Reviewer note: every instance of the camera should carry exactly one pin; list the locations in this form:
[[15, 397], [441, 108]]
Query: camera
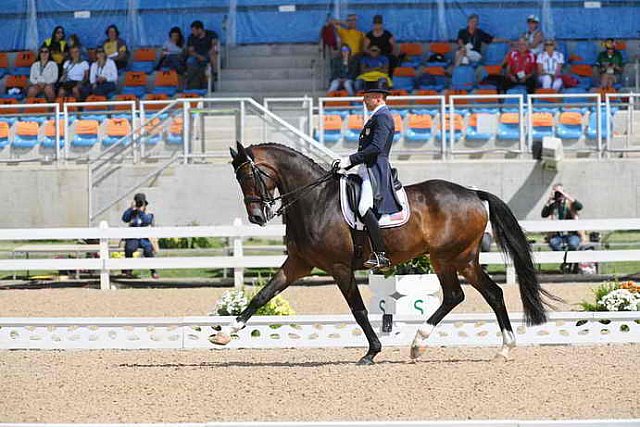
[[557, 195]]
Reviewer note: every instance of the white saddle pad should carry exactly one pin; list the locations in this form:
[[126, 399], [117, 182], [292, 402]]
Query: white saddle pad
[[386, 221]]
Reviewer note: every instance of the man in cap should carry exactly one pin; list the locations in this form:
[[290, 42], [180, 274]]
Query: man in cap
[[349, 33], [534, 35], [137, 216], [378, 196]]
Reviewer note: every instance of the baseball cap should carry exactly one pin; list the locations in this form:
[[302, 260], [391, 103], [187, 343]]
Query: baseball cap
[[377, 19], [533, 18]]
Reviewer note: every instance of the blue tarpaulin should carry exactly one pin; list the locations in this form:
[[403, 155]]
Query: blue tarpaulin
[[147, 22]]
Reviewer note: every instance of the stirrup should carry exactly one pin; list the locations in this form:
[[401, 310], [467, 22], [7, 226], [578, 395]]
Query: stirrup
[[378, 261]]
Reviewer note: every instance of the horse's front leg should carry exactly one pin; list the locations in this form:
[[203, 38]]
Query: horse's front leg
[[347, 284], [292, 269]]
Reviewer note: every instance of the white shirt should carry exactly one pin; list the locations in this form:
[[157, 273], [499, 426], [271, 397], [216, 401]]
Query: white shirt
[[109, 71], [75, 70], [45, 75], [550, 62]]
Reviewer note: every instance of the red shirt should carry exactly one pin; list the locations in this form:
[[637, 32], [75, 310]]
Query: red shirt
[[519, 61]]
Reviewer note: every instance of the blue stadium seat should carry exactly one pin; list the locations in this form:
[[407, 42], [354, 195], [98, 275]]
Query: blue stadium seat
[[355, 123], [605, 125], [49, 139], [86, 133], [541, 125], [463, 78], [570, 125], [144, 66], [27, 134], [174, 136], [509, 126], [495, 53], [419, 128]]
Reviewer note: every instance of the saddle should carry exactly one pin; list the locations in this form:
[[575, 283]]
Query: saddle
[[350, 192]]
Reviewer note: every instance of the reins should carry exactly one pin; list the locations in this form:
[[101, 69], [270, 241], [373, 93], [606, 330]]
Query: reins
[[289, 198]]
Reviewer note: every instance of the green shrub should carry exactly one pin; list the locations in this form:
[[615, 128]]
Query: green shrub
[[418, 265], [598, 293]]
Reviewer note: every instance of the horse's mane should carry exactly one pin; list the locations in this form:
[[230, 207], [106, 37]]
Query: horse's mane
[[292, 152]]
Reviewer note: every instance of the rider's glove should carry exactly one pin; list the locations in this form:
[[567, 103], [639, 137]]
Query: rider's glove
[[343, 163]]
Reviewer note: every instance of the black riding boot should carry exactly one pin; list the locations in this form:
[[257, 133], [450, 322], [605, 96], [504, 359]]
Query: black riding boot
[[378, 259]]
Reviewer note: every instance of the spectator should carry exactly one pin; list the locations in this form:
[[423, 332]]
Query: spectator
[[470, 41], [521, 65], [561, 205], [374, 70], [43, 76], [534, 35], [172, 53], [74, 40], [201, 47], [609, 64], [349, 33], [103, 74], [343, 70], [75, 74], [57, 46], [384, 40], [115, 47], [329, 35], [550, 66], [137, 216]]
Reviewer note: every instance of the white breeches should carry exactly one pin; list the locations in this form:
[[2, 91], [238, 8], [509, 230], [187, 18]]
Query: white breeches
[[366, 196], [549, 82]]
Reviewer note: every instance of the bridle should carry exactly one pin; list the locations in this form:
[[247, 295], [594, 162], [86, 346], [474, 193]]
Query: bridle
[[266, 200]]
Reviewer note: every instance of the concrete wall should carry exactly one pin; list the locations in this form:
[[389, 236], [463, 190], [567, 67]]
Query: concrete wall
[[208, 194]]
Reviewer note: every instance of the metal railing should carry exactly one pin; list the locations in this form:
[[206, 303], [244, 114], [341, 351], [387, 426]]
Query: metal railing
[[630, 128]]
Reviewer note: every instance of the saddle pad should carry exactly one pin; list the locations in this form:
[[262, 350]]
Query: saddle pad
[[386, 221]]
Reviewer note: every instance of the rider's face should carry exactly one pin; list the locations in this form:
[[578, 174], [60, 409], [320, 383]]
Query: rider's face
[[372, 100]]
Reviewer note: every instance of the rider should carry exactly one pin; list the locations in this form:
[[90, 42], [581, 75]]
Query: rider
[[378, 195]]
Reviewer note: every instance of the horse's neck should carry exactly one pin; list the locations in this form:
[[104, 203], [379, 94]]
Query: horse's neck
[[293, 175]]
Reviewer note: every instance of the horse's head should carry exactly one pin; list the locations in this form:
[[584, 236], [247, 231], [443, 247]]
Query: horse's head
[[257, 185]]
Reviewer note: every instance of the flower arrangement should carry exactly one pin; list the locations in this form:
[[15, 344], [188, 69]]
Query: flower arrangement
[[615, 296], [233, 302], [417, 265]]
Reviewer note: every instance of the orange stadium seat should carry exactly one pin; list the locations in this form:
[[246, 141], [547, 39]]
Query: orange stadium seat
[[115, 129], [135, 83], [4, 64], [23, 63], [26, 134], [156, 97], [332, 128], [419, 128], [441, 48], [20, 82], [582, 70], [175, 131], [355, 123], [411, 49], [124, 97], [86, 133], [8, 101], [493, 70], [425, 92], [49, 139], [166, 82], [65, 100]]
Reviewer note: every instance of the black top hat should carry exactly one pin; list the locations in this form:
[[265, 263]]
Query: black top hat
[[382, 88]]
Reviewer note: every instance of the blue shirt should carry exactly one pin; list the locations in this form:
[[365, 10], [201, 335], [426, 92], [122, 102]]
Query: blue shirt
[[137, 218], [371, 62]]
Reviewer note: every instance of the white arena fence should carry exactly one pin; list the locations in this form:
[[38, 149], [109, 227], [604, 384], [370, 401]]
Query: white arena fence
[[482, 423], [238, 261], [310, 331]]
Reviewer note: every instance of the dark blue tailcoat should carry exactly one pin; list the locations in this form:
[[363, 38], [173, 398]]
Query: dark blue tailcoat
[[374, 145]]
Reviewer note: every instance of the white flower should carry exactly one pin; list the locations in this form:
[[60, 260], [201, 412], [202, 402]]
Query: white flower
[[231, 303], [620, 300]]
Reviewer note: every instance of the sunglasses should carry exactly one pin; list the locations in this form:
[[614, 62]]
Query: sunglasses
[[100, 51], [44, 51], [549, 44]]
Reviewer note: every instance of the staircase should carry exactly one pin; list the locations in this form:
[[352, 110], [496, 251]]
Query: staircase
[[279, 70]]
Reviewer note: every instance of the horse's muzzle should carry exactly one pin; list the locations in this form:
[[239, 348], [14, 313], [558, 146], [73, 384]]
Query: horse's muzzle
[[256, 216]]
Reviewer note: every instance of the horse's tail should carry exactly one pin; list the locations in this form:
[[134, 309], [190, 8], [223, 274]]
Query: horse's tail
[[512, 241]]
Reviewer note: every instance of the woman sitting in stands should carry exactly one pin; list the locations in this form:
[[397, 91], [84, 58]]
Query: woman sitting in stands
[[75, 74], [44, 74], [57, 46], [172, 55], [103, 75], [115, 47]]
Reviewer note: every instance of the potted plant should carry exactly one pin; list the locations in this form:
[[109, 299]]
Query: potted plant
[[408, 288]]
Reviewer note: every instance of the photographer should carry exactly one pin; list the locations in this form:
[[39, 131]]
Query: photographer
[[561, 205], [137, 216]]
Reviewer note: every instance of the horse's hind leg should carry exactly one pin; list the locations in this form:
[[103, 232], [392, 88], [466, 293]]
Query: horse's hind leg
[[452, 295], [291, 270], [492, 293], [349, 288]]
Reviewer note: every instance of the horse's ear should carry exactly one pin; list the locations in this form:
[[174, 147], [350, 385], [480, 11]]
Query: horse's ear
[[233, 152], [241, 149]]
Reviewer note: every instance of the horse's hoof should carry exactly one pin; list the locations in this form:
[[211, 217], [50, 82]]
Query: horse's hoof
[[366, 361], [417, 351], [220, 339]]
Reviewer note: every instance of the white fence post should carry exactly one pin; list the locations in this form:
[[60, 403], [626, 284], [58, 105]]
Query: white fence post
[[238, 272], [104, 258]]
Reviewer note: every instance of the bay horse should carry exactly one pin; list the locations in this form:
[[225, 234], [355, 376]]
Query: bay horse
[[447, 222]]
